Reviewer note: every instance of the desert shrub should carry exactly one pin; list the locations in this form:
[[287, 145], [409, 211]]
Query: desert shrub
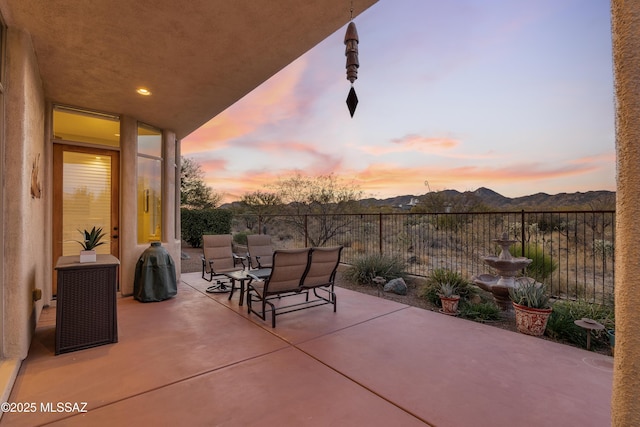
[[451, 222], [542, 265], [440, 276], [568, 289], [365, 268], [241, 237], [561, 327], [603, 248], [196, 222], [481, 312]]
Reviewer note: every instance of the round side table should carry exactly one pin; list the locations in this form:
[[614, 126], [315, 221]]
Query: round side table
[[589, 325]]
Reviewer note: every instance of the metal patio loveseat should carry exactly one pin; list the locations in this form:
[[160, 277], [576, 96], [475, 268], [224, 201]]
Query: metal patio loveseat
[[295, 272]]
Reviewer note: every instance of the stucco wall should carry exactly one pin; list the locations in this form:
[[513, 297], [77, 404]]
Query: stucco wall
[[27, 258], [130, 250], [625, 407]]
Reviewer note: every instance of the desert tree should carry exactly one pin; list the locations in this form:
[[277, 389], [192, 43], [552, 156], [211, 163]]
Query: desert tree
[[322, 201], [451, 206], [258, 204], [194, 193], [443, 201], [603, 215]]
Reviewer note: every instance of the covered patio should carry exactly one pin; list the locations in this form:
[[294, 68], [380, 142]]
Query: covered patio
[[199, 359]]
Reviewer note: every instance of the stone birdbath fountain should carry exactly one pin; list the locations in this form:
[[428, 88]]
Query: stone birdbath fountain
[[507, 267]]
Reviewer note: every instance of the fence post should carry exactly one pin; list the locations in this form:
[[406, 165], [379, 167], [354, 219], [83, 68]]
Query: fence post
[[522, 231], [306, 231], [380, 232]]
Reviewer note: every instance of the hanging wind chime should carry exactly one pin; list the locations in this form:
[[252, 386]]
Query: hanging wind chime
[[351, 52]]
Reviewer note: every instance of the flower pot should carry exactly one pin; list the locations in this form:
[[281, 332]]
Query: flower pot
[[87, 256], [450, 304], [531, 321]]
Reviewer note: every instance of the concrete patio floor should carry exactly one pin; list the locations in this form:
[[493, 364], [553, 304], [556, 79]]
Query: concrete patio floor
[[200, 360]]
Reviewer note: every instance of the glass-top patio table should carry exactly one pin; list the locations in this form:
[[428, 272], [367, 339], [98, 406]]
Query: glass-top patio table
[[243, 276]]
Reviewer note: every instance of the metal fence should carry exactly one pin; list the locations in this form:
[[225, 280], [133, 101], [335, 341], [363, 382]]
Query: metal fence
[[572, 250]]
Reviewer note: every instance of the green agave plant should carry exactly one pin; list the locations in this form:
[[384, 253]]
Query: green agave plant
[[91, 238], [448, 290], [530, 294]]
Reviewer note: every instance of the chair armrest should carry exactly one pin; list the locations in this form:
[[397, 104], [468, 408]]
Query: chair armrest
[[240, 259], [258, 261]]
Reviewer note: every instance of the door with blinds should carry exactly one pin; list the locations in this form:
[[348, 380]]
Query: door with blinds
[[85, 195]]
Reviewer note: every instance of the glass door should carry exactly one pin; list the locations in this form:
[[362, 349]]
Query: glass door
[[85, 195]]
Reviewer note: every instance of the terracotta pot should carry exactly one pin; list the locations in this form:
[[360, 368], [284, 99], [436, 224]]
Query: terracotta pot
[[531, 321], [450, 304]]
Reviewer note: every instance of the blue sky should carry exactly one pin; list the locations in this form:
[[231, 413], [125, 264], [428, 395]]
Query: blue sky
[[513, 95]]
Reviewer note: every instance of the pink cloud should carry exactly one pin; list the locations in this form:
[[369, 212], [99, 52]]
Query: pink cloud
[[601, 158], [414, 140], [415, 143], [213, 165], [381, 178], [398, 180], [389, 179], [270, 103], [304, 155]]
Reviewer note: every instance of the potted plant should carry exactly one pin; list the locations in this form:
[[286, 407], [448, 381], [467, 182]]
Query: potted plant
[[611, 333], [531, 305], [92, 239], [449, 298]]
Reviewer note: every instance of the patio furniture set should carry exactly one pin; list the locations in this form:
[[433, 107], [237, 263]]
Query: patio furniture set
[[271, 276]]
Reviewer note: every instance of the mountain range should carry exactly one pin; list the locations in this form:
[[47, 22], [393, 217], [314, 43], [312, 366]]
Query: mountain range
[[592, 200]]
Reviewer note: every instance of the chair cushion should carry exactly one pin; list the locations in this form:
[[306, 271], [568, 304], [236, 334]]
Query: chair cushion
[[259, 245], [288, 270], [217, 248], [322, 267]]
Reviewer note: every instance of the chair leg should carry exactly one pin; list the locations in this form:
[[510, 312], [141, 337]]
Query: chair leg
[[204, 272], [273, 312], [219, 288]]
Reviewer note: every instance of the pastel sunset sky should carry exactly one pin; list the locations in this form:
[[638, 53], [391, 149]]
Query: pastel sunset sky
[[513, 95]]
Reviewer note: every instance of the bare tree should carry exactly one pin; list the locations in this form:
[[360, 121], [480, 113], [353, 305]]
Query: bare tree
[[323, 199]]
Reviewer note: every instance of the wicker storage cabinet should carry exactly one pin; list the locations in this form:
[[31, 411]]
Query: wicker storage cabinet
[[86, 314]]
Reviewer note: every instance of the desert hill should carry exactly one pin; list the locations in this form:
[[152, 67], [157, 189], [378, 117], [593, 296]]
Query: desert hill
[[592, 200]]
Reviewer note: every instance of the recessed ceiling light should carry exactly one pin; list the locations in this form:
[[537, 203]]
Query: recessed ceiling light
[[143, 91]]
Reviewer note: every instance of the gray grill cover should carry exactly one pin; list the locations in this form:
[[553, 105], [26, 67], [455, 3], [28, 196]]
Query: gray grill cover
[[155, 277]]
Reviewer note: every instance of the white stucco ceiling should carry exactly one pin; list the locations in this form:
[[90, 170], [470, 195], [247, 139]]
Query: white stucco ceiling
[[197, 56]]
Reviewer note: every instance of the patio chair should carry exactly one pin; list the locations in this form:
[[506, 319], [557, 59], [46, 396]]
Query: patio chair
[[287, 272], [321, 274], [217, 259], [260, 250]]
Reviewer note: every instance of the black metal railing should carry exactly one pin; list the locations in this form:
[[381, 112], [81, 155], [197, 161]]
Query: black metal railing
[[572, 250]]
